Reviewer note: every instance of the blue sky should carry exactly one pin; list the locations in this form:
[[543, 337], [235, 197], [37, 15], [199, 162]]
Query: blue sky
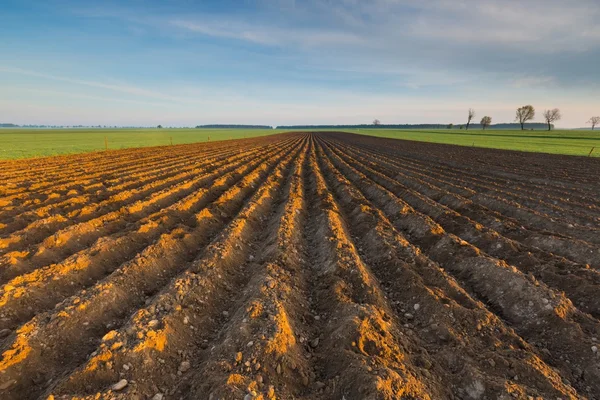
[[184, 62]]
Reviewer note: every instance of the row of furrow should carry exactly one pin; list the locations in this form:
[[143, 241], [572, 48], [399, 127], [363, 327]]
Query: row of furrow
[[42, 164], [13, 169], [562, 207], [115, 201], [361, 353], [522, 207], [43, 179], [103, 199], [57, 341], [582, 283], [521, 226], [535, 311], [566, 172], [96, 186], [76, 237], [104, 167], [521, 188], [457, 341], [105, 160], [525, 193], [113, 170], [74, 206], [257, 350], [180, 328], [27, 294], [106, 217], [103, 192], [101, 161], [93, 180], [521, 230], [273, 348]]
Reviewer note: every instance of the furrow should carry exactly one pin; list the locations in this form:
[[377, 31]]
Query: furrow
[[114, 199], [566, 171], [535, 311], [521, 231], [117, 178], [80, 235], [55, 342], [101, 163], [529, 216], [178, 324], [78, 175], [67, 195], [34, 292], [260, 335], [582, 283], [361, 351], [56, 165], [542, 198], [464, 346]]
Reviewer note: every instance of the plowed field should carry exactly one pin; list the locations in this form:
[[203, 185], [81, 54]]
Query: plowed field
[[300, 266]]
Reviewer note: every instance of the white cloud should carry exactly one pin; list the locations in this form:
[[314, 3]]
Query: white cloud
[[532, 25], [268, 35]]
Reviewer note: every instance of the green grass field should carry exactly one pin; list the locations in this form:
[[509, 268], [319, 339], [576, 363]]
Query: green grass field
[[25, 143], [577, 143]]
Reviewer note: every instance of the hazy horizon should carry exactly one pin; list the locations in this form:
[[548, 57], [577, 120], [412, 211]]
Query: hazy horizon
[[284, 62], [476, 125]]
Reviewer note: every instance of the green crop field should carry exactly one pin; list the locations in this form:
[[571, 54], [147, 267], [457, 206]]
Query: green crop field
[[25, 143], [572, 142]]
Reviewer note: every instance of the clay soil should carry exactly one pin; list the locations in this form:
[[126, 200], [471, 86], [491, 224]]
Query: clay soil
[[300, 266]]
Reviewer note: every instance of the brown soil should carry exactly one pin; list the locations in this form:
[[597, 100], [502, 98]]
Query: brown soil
[[300, 266]]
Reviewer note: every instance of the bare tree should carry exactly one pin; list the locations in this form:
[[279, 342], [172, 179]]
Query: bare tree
[[376, 122], [486, 121], [471, 116], [594, 121], [524, 114], [551, 116]]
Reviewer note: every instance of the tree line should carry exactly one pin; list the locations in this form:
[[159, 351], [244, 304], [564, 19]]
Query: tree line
[[233, 126], [364, 126]]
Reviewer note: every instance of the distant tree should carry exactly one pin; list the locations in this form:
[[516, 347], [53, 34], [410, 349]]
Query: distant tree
[[159, 127], [471, 116], [376, 122], [450, 126], [594, 121], [551, 116], [486, 121], [524, 114]]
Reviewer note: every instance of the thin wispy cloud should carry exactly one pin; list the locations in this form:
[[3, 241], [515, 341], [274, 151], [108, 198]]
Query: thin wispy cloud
[[268, 36], [533, 81], [75, 95], [122, 88], [244, 34]]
